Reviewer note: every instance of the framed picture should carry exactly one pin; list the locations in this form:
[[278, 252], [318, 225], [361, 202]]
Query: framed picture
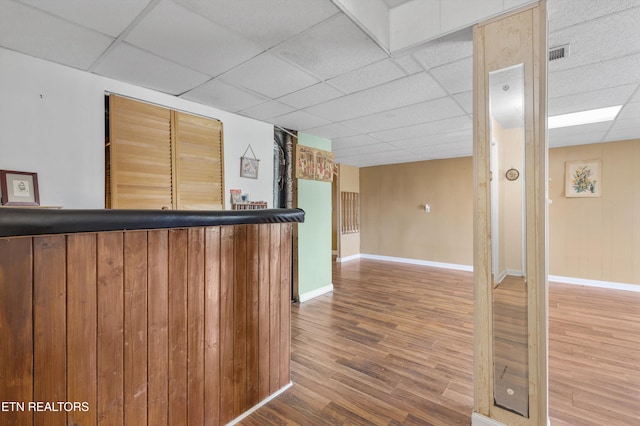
[[583, 178], [305, 162], [324, 166], [249, 167], [19, 188]]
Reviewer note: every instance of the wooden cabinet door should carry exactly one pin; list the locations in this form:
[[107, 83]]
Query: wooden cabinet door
[[198, 162], [141, 157]]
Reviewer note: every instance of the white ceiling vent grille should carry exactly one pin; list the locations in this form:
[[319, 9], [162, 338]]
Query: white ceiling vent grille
[[559, 52]]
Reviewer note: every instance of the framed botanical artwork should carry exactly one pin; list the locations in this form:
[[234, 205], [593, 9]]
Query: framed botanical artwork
[[583, 178], [19, 188]]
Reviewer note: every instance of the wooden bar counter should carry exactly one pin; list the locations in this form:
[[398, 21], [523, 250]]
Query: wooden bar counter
[[142, 317]]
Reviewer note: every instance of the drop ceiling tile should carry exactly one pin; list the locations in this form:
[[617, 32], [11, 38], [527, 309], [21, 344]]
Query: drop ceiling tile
[[363, 149], [456, 77], [332, 131], [39, 34], [442, 151], [332, 48], [131, 65], [590, 100], [224, 96], [462, 122], [588, 45], [406, 91], [622, 134], [311, 95], [267, 23], [409, 64], [616, 72], [267, 110], [276, 77], [353, 141], [177, 34], [566, 13], [631, 112], [299, 120], [106, 16], [636, 95], [444, 50], [438, 140], [465, 99], [368, 76], [576, 135], [378, 158], [437, 109]]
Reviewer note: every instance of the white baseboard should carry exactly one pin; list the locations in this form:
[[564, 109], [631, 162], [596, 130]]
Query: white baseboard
[[315, 293], [258, 405], [455, 266], [478, 419], [348, 258], [555, 278], [595, 283]]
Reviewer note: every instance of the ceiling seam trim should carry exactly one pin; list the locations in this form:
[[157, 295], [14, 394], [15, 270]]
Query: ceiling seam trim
[[120, 39]]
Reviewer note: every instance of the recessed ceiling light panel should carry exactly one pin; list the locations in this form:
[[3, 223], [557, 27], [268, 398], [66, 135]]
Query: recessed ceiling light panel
[[584, 117]]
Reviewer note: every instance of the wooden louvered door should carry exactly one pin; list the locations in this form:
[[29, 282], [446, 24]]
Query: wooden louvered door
[[141, 157], [163, 159], [198, 162]]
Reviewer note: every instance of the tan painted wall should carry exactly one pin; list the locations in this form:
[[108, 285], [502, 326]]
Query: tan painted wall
[[393, 220], [349, 181], [590, 238], [597, 238]]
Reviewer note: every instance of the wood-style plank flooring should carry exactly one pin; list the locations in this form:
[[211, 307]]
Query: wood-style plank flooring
[[392, 345]]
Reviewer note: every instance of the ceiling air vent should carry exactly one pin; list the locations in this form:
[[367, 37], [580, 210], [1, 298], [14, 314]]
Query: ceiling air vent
[[558, 52]]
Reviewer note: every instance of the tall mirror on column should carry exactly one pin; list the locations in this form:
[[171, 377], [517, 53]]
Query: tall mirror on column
[[508, 237], [510, 219]]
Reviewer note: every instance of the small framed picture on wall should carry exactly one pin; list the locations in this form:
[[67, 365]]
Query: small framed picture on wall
[[583, 178], [19, 188]]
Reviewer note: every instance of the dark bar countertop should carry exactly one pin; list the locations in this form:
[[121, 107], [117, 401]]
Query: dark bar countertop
[[28, 221]]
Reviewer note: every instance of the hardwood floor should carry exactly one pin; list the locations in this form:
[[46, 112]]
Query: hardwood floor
[[392, 345]]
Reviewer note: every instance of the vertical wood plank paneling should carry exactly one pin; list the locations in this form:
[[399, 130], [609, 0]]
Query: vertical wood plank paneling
[[195, 330], [226, 323], [16, 327], [177, 326], [264, 311], [274, 314], [110, 328], [185, 326], [253, 314], [285, 304], [82, 338], [212, 327], [49, 325], [240, 321], [158, 323], [135, 327]]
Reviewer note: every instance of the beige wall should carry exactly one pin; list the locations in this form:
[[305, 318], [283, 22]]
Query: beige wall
[[393, 219], [510, 199], [597, 238], [590, 238]]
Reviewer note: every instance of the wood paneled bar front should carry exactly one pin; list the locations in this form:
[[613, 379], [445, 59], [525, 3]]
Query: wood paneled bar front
[[143, 317]]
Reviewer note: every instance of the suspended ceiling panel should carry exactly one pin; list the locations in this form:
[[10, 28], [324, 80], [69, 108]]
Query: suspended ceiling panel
[[307, 65]]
